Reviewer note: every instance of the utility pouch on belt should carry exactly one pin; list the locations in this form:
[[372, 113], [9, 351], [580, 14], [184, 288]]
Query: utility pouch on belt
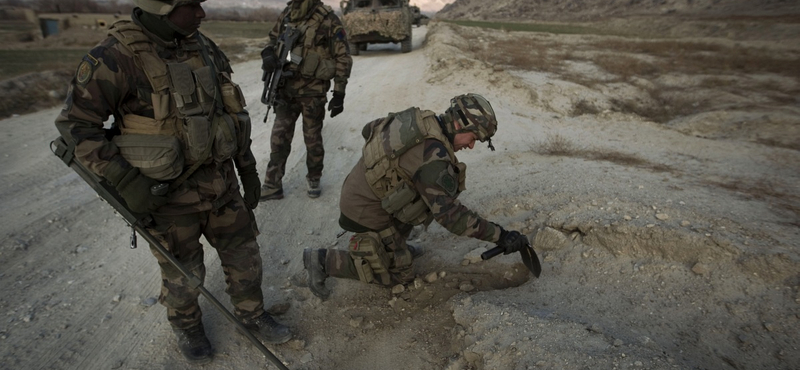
[[157, 156], [370, 257], [316, 66], [197, 133]]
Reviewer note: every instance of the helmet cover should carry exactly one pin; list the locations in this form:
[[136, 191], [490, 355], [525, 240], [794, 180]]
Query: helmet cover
[[475, 115]]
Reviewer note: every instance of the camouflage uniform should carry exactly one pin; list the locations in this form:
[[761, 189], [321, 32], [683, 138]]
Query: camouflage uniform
[[109, 82], [438, 179], [302, 92]]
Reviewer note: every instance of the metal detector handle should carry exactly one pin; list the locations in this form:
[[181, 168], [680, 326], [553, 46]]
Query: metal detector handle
[[492, 253]]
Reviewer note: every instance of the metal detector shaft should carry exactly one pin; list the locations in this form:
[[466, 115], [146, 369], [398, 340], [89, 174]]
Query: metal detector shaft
[[195, 283], [137, 221]]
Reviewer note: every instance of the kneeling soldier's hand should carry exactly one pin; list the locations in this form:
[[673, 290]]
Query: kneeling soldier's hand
[[512, 241]]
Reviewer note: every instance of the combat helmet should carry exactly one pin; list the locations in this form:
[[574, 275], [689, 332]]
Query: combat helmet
[[162, 7], [475, 115]]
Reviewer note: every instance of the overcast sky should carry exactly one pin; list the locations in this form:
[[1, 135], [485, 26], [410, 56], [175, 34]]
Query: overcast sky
[[424, 5]]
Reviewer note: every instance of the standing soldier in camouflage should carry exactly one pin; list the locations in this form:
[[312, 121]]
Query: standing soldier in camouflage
[[178, 120], [320, 54], [408, 175]]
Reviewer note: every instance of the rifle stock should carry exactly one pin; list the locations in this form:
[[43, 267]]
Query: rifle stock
[[138, 222]]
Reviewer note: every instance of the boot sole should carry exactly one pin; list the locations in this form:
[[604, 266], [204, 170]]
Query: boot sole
[[280, 340]]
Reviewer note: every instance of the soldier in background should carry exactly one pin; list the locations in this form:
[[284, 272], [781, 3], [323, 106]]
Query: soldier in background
[[320, 54], [408, 175], [178, 120]]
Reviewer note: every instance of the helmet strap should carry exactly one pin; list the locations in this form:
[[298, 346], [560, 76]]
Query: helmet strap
[[179, 32], [463, 124], [158, 25], [447, 124]]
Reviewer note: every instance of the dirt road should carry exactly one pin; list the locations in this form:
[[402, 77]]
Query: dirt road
[[646, 265]]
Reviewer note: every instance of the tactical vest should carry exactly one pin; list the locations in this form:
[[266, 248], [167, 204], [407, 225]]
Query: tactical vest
[[386, 142], [197, 118], [309, 59]]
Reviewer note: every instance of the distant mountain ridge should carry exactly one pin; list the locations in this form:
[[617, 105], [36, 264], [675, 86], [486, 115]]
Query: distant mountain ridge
[[576, 10], [245, 4]]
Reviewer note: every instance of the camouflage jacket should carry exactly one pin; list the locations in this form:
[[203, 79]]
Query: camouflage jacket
[[427, 163], [110, 83], [325, 36]]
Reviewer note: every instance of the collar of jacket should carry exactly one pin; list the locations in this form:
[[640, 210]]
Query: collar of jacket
[[159, 28]]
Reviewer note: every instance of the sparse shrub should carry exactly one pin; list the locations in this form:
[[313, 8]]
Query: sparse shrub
[[584, 107], [556, 145]]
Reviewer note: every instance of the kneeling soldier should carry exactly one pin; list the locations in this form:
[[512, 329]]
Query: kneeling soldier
[[408, 175]]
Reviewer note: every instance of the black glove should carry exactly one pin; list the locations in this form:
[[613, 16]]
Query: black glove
[[251, 185], [512, 241], [135, 188], [268, 60], [336, 105]]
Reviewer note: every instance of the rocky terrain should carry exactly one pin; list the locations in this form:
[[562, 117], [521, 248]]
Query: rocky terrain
[[665, 172]]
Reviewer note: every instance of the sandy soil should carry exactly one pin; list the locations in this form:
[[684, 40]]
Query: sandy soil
[[643, 268]]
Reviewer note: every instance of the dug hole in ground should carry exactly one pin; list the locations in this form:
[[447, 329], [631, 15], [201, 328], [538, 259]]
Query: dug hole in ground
[[647, 264]]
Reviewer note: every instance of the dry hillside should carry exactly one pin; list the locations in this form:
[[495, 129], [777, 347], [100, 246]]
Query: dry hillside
[[582, 10]]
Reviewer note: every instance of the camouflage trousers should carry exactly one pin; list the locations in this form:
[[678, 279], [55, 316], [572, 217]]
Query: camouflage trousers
[[340, 264], [313, 111], [231, 230]]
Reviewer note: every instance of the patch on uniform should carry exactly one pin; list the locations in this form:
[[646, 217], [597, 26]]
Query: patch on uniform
[[447, 180], [86, 69], [341, 34]]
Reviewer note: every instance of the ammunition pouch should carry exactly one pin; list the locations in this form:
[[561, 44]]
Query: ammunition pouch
[[232, 97], [196, 134], [245, 127], [225, 139], [404, 204], [317, 66], [190, 98]]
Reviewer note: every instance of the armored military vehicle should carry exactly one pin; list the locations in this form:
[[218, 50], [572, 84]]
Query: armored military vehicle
[[419, 18], [376, 22]]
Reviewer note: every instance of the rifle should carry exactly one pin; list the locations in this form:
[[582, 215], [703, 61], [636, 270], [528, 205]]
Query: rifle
[[275, 79], [138, 223]]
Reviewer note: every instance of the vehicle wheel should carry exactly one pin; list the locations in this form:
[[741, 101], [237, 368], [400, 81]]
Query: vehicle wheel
[[405, 45], [355, 49]]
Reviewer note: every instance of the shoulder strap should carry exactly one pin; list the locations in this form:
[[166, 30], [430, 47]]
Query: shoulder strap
[[313, 24], [133, 38]]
